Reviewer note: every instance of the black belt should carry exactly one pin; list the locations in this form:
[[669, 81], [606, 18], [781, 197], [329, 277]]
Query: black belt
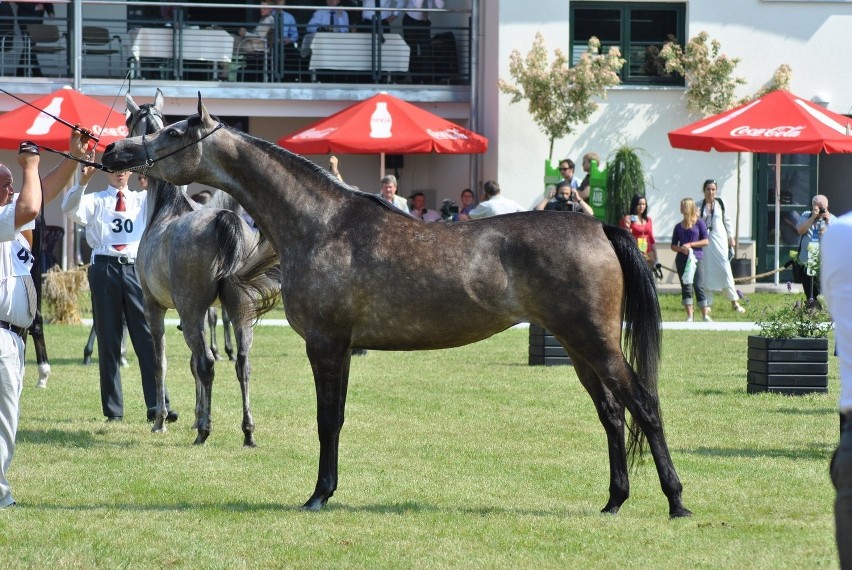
[[119, 259], [20, 331]]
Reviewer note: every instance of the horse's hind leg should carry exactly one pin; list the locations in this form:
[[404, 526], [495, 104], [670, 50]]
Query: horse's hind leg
[[90, 347], [611, 415], [244, 334], [37, 333], [226, 332], [211, 324], [644, 408], [330, 363], [202, 366], [155, 315]]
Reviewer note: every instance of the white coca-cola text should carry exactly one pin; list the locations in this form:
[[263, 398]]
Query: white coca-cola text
[[781, 131]]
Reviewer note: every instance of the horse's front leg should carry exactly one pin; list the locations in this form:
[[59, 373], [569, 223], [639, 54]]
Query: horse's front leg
[[155, 315], [244, 335], [611, 416], [330, 363]]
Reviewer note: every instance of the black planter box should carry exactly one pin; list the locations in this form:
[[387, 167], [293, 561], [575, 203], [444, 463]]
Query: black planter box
[[545, 349], [787, 366]]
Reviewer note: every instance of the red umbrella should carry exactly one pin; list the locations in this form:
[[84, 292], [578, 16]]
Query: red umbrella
[[27, 123], [777, 123], [384, 124]]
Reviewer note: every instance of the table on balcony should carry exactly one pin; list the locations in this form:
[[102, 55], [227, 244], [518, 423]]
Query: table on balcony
[[186, 45], [354, 52]]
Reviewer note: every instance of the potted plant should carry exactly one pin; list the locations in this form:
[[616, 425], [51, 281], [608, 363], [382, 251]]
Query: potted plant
[[790, 355]]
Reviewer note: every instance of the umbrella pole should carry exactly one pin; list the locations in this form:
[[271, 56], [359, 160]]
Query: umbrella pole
[[382, 166], [777, 214]]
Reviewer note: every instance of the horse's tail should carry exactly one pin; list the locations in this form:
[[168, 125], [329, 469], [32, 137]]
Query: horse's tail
[[230, 243], [260, 276], [642, 325]]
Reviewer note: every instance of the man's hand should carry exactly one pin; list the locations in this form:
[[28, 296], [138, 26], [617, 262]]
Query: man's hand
[[87, 171], [79, 143], [28, 156]]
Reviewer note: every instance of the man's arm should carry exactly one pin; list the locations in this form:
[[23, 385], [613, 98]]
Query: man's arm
[[71, 204], [29, 200], [63, 174]]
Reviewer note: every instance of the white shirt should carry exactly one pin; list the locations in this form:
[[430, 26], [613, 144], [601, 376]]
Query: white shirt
[[338, 21], [417, 14], [495, 206], [428, 216], [17, 291], [385, 14], [398, 201], [836, 281], [104, 226]]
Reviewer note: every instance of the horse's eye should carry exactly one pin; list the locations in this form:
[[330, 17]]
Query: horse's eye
[[173, 133]]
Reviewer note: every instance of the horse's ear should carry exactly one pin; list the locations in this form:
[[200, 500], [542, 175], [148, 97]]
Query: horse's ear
[[159, 100], [202, 110], [132, 107]]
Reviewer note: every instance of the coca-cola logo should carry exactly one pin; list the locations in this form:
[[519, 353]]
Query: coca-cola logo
[[315, 133], [448, 134], [102, 131], [781, 131]]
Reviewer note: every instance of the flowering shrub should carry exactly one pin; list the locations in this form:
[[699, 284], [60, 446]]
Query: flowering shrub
[[803, 319], [560, 97]]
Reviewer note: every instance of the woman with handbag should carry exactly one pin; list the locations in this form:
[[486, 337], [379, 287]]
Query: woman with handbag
[[688, 240]]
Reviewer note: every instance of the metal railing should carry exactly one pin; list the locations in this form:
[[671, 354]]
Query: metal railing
[[214, 42]]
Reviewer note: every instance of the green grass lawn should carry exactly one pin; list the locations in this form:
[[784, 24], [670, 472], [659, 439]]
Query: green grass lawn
[[464, 458]]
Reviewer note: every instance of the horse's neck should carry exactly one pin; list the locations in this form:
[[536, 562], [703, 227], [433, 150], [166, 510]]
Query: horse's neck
[[165, 203]]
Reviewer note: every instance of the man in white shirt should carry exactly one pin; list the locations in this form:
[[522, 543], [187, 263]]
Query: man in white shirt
[[17, 290], [494, 204], [333, 20], [836, 279], [417, 33], [115, 220], [420, 211], [386, 16]]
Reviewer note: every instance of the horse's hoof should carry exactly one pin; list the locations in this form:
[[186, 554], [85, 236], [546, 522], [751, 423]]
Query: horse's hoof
[[249, 442], [201, 437], [610, 510], [680, 512], [313, 505], [87, 359], [158, 427]]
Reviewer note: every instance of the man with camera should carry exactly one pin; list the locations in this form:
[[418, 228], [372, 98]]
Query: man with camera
[[566, 199], [811, 227]]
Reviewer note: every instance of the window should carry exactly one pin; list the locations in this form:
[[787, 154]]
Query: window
[[638, 29]]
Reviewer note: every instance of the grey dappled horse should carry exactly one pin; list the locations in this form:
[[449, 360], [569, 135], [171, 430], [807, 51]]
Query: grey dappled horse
[[190, 256], [344, 253]]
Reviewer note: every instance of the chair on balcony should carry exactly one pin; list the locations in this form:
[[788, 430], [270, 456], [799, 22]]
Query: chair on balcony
[[42, 38], [7, 46], [97, 41], [254, 52]]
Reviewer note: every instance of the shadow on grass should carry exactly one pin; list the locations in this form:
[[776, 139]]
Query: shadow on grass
[[813, 451], [57, 437]]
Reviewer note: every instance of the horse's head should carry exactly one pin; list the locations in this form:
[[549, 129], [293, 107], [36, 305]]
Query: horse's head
[[173, 153], [144, 119]]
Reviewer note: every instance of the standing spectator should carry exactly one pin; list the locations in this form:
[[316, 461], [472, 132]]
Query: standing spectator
[[17, 290], [494, 204], [690, 235], [388, 192], [386, 15], [836, 278], [31, 13], [420, 211], [417, 33], [585, 186], [565, 199], [719, 253], [289, 43], [114, 219], [640, 226], [811, 228], [333, 20]]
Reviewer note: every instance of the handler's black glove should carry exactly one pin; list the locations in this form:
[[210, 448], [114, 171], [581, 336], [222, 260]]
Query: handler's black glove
[[28, 147]]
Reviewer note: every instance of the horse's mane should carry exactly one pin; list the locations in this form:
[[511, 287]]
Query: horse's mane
[[312, 169]]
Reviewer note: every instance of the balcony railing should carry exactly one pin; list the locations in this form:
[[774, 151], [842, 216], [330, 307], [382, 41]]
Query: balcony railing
[[230, 42]]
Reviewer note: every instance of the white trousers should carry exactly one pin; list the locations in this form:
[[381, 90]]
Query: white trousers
[[11, 385]]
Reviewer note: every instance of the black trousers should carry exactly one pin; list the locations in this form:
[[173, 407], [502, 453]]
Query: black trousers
[[418, 35], [116, 291]]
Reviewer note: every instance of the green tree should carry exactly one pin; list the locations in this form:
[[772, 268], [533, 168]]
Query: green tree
[[561, 97]]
